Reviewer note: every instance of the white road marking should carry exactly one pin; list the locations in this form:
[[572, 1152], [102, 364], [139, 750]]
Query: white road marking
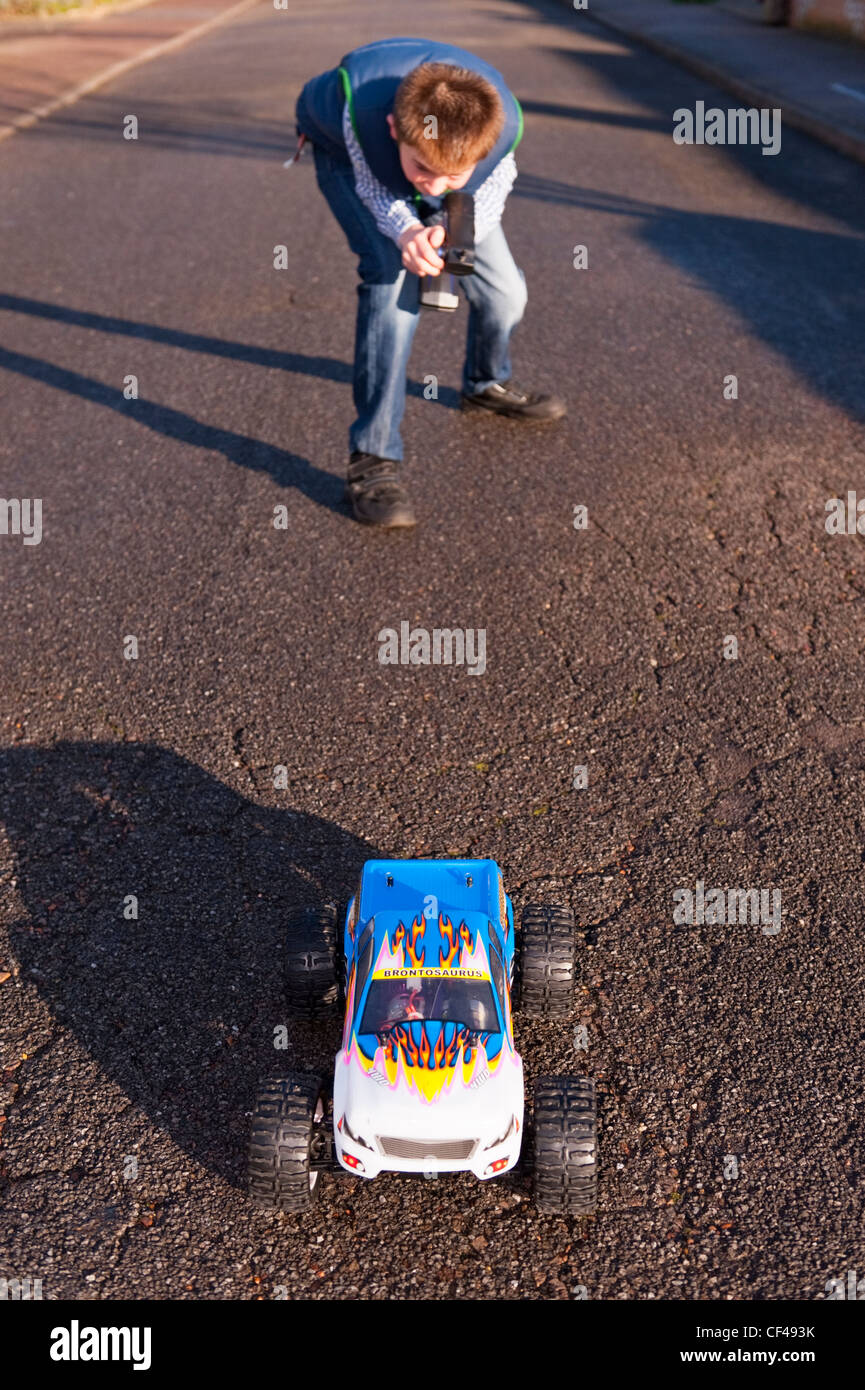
[[848, 91], [38, 113]]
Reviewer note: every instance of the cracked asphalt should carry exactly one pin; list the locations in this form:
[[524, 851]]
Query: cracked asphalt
[[131, 1048]]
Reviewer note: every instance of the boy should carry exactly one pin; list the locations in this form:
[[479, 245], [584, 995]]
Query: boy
[[397, 125]]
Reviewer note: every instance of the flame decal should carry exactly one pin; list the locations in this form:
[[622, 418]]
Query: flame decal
[[391, 957], [426, 1057], [400, 1040], [457, 942], [418, 927], [354, 1050], [411, 1059], [349, 1008], [398, 1060], [446, 955], [450, 1052]]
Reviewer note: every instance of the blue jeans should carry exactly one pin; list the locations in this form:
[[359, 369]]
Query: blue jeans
[[387, 313]]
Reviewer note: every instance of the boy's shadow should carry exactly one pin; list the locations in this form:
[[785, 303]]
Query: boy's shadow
[[181, 1007], [285, 467]]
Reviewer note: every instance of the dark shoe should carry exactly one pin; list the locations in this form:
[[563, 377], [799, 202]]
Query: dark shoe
[[375, 492], [506, 398]]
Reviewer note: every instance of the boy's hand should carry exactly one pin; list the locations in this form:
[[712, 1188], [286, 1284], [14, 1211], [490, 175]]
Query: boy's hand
[[418, 245]]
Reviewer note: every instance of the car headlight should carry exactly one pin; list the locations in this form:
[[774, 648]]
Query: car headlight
[[507, 1134], [355, 1137]]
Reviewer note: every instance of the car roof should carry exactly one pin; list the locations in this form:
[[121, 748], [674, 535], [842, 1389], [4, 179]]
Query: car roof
[[405, 886], [434, 914]]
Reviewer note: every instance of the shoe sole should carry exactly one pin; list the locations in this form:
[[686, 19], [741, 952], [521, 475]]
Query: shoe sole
[[404, 524], [511, 414], [400, 523]]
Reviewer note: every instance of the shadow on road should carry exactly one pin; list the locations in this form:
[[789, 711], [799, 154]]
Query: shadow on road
[[286, 468], [801, 291], [592, 115], [213, 128], [327, 368], [178, 1008]]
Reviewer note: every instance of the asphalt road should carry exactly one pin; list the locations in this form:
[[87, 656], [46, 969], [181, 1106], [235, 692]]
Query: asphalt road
[[258, 648]]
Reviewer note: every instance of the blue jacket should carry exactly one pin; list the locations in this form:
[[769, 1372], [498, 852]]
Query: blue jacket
[[367, 79]]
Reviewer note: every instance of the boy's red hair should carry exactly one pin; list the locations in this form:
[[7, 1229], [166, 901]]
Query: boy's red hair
[[467, 116]]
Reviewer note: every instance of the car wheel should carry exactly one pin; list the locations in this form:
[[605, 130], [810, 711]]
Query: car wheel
[[311, 985], [565, 1147], [546, 961], [287, 1132]]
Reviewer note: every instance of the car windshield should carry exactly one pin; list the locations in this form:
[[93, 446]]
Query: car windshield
[[469, 1002]]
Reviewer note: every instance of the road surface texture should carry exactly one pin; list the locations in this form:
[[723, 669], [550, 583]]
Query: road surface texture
[[717, 1049]]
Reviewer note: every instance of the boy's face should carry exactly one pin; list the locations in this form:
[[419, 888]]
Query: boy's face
[[425, 179]]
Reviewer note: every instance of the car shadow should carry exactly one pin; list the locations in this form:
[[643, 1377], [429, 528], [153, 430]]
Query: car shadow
[[181, 1006]]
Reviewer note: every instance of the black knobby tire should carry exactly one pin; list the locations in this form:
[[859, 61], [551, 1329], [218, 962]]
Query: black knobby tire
[[311, 984], [286, 1114], [546, 960], [565, 1147]]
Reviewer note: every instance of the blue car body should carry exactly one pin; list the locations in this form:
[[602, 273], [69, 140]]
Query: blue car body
[[428, 1077]]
